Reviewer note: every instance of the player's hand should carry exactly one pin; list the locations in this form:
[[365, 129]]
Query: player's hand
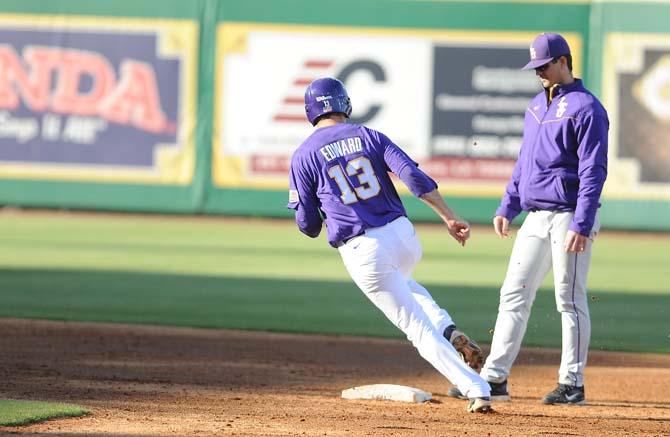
[[575, 242], [459, 229], [501, 226]]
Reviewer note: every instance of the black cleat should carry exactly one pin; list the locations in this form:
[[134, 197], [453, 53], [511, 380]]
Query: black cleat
[[498, 392], [566, 394]]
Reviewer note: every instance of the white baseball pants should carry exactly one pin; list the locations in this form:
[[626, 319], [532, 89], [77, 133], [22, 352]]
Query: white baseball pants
[[539, 246], [381, 262]]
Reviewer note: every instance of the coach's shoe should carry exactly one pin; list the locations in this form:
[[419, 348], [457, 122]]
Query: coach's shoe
[[480, 405], [498, 392], [566, 394], [470, 351]]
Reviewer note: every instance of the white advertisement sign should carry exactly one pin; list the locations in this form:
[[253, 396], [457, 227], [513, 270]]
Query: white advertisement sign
[[264, 79]]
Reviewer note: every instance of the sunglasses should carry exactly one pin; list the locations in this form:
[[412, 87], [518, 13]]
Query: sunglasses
[[542, 68]]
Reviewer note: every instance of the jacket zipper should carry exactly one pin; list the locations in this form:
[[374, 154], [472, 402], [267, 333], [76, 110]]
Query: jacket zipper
[[531, 157]]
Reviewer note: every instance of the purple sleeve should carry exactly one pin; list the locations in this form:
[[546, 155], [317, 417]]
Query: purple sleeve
[[592, 170], [510, 205], [418, 182], [302, 198]]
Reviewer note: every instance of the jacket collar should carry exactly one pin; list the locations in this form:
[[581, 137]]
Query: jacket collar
[[559, 90]]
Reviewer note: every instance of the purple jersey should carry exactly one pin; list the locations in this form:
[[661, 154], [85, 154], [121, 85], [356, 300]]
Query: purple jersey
[[562, 163], [340, 174]]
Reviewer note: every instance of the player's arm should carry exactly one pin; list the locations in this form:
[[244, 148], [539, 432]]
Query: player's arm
[[398, 162], [459, 229], [425, 188], [303, 199], [592, 172]]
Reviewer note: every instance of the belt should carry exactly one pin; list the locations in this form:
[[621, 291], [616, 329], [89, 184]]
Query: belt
[[549, 209], [346, 240]]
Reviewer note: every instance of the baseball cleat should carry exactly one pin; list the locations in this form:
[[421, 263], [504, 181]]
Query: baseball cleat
[[498, 392], [470, 351], [566, 395], [480, 405]]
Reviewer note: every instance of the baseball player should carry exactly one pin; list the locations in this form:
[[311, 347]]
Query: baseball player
[[558, 178], [340, 175]]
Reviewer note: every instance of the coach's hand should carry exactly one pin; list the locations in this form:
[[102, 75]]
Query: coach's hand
[[501, 226], [575, 242], [459, 229]]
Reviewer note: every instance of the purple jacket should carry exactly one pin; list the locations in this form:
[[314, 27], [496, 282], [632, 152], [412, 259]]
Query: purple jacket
[[562, 163], [341, 174]]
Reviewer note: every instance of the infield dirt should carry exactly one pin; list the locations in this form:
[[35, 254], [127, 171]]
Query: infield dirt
[[157, 381]]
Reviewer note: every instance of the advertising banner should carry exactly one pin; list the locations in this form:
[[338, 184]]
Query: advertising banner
[[97, 99], [455, 101], [636, 88], [261, 79], [479, 101]]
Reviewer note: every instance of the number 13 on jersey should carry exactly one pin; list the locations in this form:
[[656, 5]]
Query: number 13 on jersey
[[361, 169]]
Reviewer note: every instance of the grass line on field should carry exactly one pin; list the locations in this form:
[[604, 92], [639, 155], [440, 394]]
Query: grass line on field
[[16, 413], [305, 305]]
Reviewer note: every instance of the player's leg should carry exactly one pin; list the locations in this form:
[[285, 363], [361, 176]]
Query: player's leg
[[406, 233], [529, 264], [469, 350], [406, 313], [439, 317], [570, 276], [372, 261]]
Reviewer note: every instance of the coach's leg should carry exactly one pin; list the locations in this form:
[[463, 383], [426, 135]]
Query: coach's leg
[[529, 264], [570, 276]]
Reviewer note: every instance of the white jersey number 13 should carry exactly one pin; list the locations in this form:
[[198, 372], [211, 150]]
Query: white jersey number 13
[[362, 169]]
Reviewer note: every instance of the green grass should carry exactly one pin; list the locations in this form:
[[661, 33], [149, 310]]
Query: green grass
[[14, 413], [260, 275]]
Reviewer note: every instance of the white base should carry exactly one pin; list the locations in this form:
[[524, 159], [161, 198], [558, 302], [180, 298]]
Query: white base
[[390, 392]]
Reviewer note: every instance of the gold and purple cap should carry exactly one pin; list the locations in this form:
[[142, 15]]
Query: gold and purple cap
[[545, 47]]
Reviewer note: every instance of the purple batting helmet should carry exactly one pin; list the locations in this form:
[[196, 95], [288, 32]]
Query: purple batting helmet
[[325, 96]]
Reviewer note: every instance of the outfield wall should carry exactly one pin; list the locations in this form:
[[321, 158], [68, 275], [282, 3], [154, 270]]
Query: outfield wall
[[195, 107]]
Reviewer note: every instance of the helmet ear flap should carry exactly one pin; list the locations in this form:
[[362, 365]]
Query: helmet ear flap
[[349, 107], [325, 96]]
